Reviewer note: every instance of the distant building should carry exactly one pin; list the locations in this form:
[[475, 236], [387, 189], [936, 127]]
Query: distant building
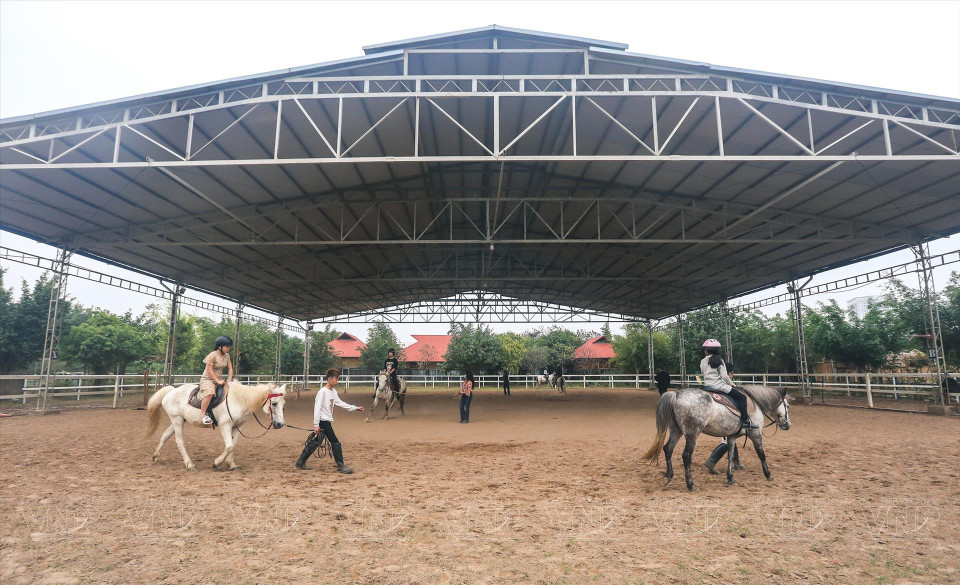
[[347, 348], [595, 354], [427, 352], [860, 305]]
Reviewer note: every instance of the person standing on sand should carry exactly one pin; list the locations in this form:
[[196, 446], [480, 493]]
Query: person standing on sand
[[466, 396], [326, 399]]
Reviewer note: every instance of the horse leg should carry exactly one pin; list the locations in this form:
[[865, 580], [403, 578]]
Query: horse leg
[[225, 432], [689, 446], [403, 395], [231, 464], [757, 439], [668, 450], [178, 431], [731, 449], [387, 404], [163, 439], [372, 408]]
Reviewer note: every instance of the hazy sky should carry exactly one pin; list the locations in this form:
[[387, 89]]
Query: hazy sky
[[55, 55]]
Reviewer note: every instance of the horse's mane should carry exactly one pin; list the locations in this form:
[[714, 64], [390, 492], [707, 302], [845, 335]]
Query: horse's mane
[[250, 396], [767, 398]]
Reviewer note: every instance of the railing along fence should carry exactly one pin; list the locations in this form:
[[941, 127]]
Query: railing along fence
[[856, 388]]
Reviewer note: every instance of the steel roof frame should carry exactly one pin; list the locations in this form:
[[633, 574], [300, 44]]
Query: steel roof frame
[[315, 174]]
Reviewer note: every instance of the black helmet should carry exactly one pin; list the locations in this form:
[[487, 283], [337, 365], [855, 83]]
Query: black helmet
[[391, 350], [223, 340]]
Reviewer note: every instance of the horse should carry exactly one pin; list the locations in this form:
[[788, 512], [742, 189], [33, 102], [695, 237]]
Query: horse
[[553, 381], [389, 396], [239, 404], [541, 380], [692, 411], [560, 384]]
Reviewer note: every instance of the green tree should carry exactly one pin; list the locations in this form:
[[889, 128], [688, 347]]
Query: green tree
[[513, 351], [535, 358], [291, 355], [950, 320], [631, 350], [843, 337], [24, 324], [474, 348], [380, 339], [560, 345], [105, 343], [322, 357]]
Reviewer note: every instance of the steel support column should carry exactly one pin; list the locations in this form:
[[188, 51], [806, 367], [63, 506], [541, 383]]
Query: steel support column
[[306, 358], [169, 355], [276, 370], [650, 364], [51, 338], [238, 330], [727, 337], [683, 351], [803, 371], [931, 319]]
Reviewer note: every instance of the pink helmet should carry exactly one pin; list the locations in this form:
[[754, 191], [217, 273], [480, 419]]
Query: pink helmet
[[711, 344]]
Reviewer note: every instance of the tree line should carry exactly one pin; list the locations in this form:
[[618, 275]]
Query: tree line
[[98, 341]]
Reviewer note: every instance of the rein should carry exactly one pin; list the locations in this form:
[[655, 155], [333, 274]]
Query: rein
[[254, 413]]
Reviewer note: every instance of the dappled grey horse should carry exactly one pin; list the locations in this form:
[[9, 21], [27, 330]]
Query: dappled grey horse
[[689, 412]]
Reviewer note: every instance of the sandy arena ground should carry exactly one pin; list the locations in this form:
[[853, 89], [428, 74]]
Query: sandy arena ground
[[538, 488]]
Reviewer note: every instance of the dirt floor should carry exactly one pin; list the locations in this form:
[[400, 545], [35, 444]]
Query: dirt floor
[[538, 488]]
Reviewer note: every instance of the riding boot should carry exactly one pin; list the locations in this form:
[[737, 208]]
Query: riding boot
[[338, 457], [313, 441], [717, 454]]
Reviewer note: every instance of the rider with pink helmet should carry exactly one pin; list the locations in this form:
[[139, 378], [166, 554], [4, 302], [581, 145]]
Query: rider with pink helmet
[[716, 379]]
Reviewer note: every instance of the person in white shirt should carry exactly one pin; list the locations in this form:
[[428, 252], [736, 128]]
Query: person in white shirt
[[715, 379], [326, 399]]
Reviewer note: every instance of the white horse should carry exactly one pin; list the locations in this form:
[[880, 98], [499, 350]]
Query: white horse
[[541, 380], [385, 392], [553, 381], [235, 409]]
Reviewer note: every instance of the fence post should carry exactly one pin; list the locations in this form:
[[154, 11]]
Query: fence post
[[895, 396], [116, 390], [869, 392], [79, 383], [146, 385]]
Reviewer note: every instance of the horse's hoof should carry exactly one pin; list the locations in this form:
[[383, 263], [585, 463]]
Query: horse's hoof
[[235, 468], [769, 478], [691, 488], [192, 468], [731, 483]]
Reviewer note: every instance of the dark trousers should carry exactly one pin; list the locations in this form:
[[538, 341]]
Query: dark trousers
[[740, 399], [506, 387], [395, 383], [465, 407], [662, 388]]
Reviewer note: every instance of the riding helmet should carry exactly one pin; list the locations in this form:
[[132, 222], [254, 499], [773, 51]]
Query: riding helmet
[[711, 344], [222, 341]]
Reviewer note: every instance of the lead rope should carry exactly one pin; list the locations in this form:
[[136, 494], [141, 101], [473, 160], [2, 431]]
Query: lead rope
[[236, 426]]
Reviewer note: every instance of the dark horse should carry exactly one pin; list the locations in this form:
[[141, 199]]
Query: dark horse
[[689, 412]]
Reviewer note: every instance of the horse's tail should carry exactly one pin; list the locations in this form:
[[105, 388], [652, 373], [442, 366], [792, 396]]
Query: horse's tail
[[155, 408], [664, 415]]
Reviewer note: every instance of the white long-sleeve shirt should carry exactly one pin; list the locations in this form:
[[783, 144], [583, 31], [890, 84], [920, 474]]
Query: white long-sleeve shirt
[[323, 405], [715, 378]]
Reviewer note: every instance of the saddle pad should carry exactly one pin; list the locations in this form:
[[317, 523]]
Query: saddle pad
[[725, 400], [214, 402]]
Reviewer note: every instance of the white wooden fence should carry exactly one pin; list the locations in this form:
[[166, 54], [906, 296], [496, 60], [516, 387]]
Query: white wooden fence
[[859, 387]]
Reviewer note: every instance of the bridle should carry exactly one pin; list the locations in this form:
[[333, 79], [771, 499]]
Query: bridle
[[254, 413], [773, 421]]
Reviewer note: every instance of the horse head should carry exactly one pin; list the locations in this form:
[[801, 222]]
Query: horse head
[[273, 405], [783, 411]]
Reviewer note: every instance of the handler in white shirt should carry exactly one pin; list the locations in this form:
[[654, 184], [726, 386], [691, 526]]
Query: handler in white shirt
[[326, 399]]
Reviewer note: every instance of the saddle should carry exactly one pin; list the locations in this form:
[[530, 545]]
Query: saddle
[[724, 400], [194, 401]]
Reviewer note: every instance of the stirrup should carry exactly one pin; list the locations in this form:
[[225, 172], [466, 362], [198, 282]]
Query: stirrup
[[206, 420], [748, 425]]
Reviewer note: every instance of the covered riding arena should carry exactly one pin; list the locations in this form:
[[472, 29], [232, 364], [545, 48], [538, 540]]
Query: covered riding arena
[[489, 175]]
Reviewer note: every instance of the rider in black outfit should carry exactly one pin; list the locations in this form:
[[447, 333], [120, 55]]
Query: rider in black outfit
[[663, 381], [391, 365]]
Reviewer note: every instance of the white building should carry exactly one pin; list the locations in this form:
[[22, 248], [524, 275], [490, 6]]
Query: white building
[[860, 305]]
